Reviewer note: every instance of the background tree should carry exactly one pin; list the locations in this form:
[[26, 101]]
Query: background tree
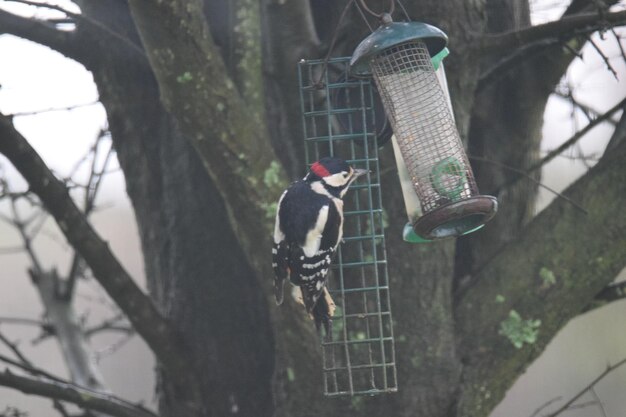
[[200, 95]]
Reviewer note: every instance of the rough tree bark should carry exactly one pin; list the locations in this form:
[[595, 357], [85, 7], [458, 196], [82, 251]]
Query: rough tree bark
[[194, 142]]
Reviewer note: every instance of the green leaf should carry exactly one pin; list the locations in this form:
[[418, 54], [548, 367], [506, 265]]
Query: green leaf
[[184, 78], [518, 330], [547, 277]]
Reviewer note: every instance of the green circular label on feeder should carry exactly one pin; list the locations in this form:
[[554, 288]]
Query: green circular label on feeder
[[441, 174]]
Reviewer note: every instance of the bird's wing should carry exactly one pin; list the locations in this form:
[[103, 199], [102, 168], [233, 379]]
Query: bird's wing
[[280, 263], [280, 257], [313, 271], [313, 239]]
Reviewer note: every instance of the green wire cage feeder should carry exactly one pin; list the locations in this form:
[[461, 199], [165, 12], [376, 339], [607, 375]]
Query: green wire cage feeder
[[399, 57], [338, 120]]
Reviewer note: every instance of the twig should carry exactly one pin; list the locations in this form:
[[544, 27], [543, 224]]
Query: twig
[[13, 348], [568, 25], [619, 44], [110, 324], [552, 154], [58, 405], [91, 191], [544, 406], [588, 111], [20, 320], [575, 138], [31, 369], [526, 175], [599, 402], [581, 405], [77, 395], [52, 109], [606, 60], [28, 244], [113, 347], [607, 371]]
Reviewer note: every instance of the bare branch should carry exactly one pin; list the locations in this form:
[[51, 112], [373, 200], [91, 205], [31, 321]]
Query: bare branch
[[598, 401], [604, 58], [111, 324], [23, 321], [592, 384], [571, 141], [575, 138], [58, 405], [560, 29], [13, 348], [84, 398], [92, 22], [20, 225], [619, 44], [525, 175], [41, 33], [53, 109], [91, 191], [544, 406], [160, 336], [589, 112], [30, 369]]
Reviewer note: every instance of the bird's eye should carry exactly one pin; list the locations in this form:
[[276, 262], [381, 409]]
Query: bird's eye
[[345, 175]]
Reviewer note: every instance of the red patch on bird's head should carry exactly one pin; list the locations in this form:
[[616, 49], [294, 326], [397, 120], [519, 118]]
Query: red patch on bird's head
[[319, 170]]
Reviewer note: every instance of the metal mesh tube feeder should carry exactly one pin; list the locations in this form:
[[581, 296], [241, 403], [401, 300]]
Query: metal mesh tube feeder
[[398, 57]]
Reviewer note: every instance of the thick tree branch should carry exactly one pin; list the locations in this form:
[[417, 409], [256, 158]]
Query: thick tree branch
[[233, 147], [90, 400], [42, 33], [610, 293], [71, 338], [154, 329], [95, 24], [562, 259], [560, 29]]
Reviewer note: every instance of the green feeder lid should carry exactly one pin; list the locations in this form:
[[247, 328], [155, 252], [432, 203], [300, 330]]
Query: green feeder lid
[[438, 59], [391, 34]]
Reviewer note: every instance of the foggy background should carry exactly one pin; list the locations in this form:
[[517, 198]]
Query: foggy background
[[36, 79]]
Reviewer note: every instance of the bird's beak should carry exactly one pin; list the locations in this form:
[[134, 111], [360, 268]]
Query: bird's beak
[[358, 172]]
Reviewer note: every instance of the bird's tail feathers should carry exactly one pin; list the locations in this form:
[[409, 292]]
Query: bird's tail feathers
[[322, 315], [279, 295]]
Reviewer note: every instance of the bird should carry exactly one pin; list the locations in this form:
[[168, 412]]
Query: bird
[[308, 229]]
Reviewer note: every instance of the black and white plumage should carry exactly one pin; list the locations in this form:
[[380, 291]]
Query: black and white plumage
[[309, 227]]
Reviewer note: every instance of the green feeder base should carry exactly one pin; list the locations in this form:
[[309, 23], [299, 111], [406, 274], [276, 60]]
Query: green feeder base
[[409, 235], [454, 219]]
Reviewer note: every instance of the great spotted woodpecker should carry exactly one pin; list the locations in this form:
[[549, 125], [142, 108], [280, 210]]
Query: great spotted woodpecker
[[309, 227]]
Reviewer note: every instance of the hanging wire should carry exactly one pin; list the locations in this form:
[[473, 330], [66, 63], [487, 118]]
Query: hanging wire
[[392, 7], [333, 40], [360, 6], [406, 14]]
